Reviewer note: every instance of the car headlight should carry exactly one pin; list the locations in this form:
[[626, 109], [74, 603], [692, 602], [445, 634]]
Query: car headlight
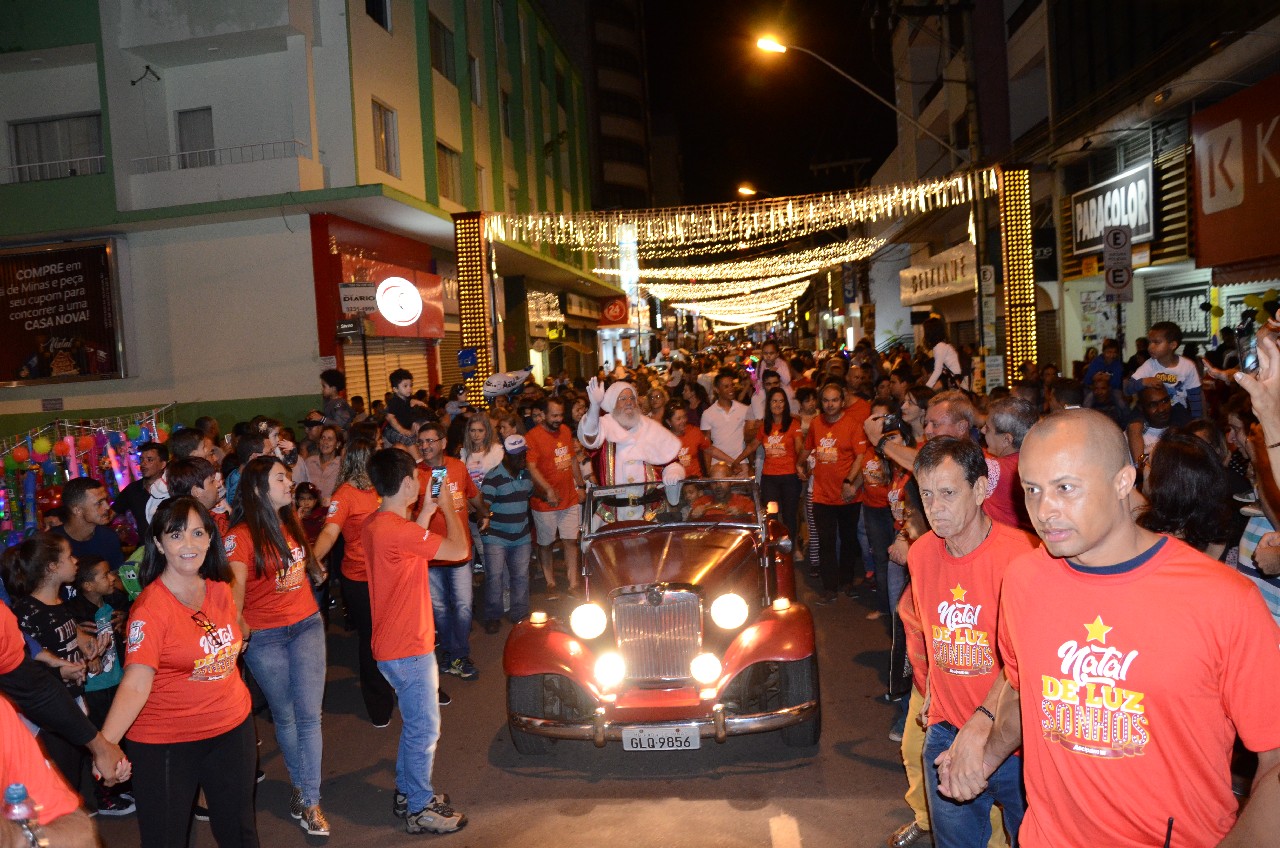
[[610, 669], [588, 621], [729, 611], [705, 668]]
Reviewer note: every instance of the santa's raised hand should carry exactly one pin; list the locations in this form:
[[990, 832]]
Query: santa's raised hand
[[595, 393]]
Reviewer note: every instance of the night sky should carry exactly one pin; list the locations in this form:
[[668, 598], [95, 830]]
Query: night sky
[[748, 116]]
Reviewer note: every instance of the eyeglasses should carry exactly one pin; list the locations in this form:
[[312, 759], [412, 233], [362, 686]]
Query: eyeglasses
[[429, 441], [215, 638]]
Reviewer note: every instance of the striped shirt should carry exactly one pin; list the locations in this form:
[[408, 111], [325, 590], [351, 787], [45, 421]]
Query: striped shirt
[[508, 499], [1269, 586]]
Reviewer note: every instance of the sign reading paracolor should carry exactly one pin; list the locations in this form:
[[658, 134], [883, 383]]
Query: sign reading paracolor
[[1125, 200]]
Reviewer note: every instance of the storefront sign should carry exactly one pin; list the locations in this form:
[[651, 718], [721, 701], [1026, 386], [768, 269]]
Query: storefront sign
[[952, 271], [59, 322], [1237, 157], [1124, 200], [358, 298], [1044, 244], [614, 312]]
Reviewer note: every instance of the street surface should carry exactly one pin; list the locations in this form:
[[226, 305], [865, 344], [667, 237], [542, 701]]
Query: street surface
[[751, 791]]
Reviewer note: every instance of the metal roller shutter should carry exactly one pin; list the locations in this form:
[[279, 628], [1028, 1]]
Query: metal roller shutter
[[449, 347], [385, 356]]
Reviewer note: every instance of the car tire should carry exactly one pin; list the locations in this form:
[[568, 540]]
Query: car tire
[[524, 697], [800, 684]]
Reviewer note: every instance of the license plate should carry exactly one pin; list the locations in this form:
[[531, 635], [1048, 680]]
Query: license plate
[[660, 738]]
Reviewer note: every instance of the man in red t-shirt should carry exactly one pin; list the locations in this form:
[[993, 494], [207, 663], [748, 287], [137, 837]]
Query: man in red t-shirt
[[451, 587], [1133, 662], [557, 479], [836, 443], [956, 572], [399, 553]]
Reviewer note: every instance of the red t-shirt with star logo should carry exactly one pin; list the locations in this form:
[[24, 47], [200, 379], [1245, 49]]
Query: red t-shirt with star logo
[[958, 601], [1133, 683]]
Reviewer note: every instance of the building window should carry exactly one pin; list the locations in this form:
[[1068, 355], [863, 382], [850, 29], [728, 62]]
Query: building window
[[380, 11], [386, 149], [618, 59], [195, 138], [499, 22], [504, 112], [544, 70], [482, 195], [622, 150], [620, 104], [513, 199], [442, 50], [57, 147], [473, 78], [449, 172], [562, 89]]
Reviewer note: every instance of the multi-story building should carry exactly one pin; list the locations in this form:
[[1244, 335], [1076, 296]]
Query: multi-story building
[[1101, 102], [248, 164]]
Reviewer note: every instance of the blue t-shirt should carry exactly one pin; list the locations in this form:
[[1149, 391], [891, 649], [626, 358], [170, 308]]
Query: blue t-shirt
[[103, 543]]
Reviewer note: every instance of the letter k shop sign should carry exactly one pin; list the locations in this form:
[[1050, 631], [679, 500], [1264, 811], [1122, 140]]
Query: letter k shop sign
[[1237, 177]]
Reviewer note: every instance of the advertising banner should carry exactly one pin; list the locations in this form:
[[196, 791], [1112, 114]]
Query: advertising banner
[[60, 319], [1237, 186]]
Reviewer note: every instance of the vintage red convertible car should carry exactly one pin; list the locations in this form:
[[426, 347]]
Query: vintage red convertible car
[[689, 628]]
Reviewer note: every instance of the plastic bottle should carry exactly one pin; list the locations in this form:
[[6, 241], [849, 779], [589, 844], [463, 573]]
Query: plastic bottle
[[21, 810]]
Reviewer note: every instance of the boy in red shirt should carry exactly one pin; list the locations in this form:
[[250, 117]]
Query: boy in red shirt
[[1133, 662], [398, 553]]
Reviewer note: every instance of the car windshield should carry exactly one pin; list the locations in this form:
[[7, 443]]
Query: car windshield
[[732, 501]]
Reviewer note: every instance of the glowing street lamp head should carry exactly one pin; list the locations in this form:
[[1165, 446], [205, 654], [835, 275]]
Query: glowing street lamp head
[[747, 190], [769, 44]]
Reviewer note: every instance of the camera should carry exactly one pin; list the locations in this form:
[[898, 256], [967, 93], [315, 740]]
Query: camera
[[891, 423]]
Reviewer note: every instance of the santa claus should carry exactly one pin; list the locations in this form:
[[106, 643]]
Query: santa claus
[[633, 447]]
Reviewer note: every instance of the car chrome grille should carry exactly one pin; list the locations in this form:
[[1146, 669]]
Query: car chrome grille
[[658, 642]]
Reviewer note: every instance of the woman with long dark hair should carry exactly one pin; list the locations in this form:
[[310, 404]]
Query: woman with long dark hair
[[354, 500], [783, 443], [269, 554], [1186, 491], [182, 702]]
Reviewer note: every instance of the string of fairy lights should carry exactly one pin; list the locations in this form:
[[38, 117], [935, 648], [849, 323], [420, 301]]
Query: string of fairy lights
[[800, 262], [721, 227], [711, 291], [768, 301]]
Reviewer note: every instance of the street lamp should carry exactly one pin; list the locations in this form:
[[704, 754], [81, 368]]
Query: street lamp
[[769, 44], [748, 190]]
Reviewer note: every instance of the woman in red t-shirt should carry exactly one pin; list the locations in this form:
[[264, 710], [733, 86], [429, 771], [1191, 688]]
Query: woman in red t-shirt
[[693, 442], [182, 702], [269, 554], [783, 441]]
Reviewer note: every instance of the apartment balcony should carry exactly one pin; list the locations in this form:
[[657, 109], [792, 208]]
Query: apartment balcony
[[180, 32], [224, 173], [62, 169]]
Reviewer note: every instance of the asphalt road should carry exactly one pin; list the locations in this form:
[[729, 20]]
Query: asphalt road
[[750, 791]]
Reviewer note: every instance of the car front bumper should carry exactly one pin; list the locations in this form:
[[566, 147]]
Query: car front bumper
[[718, 725]]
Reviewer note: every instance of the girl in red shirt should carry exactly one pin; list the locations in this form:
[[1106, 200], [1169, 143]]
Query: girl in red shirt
[[182, 703], [782, 439], [269, 554]]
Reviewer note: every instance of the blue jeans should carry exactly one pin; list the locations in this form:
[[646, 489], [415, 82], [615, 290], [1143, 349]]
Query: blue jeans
[[451, 592], [416, 680], [968, 825], [878, 521], [506, 568], [289, 664]]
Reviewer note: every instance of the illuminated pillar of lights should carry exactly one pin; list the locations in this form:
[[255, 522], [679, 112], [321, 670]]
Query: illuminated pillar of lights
[[1019, 271], [475, 311], [629, 271]]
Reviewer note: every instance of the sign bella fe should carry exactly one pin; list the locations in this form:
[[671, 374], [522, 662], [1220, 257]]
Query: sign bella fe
[[953, 271]]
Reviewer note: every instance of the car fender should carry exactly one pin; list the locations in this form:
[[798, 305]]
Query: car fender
[[776, 636], [546, 649]]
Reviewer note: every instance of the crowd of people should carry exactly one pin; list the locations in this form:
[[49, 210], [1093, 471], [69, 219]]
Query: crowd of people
[[1041, 533]]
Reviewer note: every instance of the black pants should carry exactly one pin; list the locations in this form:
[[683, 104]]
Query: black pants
[[784, 489], [40, 695], [379, 697], [839, 558], [166, 776]]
